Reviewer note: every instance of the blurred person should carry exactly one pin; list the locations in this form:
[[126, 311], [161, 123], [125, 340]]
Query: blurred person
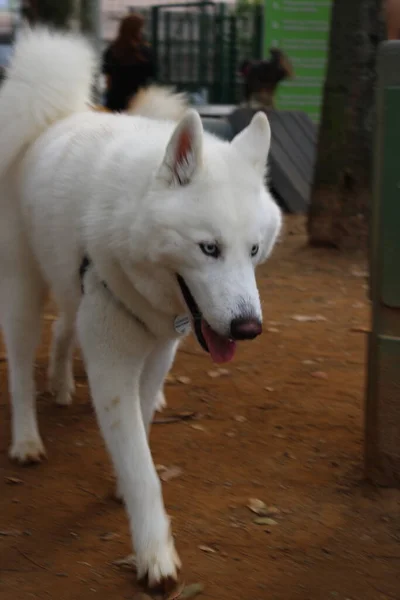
[[262, 77], [127, 64]]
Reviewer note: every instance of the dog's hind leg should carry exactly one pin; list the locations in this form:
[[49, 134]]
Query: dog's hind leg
[[155, 370], [22, 296], [161, 402], [60, 373]]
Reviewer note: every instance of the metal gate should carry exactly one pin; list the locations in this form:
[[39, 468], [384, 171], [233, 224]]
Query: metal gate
[[198, 46]]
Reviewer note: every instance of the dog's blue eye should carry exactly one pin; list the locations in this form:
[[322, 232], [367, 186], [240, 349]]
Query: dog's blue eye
[[254, 249], [210, 249]]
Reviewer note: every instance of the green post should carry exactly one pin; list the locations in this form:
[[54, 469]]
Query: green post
[[382, 420]]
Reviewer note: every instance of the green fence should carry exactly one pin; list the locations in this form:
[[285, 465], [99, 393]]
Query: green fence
[[199, 46]]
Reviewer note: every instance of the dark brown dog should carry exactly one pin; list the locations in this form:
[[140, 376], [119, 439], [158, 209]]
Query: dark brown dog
[[262, 78]]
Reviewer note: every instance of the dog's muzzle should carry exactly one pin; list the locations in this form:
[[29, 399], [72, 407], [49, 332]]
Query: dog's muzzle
[[221, 348]]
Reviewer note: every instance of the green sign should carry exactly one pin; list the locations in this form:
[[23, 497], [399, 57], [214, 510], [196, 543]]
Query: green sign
[[301, 29]]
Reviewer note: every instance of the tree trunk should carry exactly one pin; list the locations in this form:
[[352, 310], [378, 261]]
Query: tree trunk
[[340, 200]]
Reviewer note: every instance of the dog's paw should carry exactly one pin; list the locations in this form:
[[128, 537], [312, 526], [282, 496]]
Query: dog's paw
[[117, 495], [28, 451], [161, 401], [63, 397], [62, 391], [159, 569]]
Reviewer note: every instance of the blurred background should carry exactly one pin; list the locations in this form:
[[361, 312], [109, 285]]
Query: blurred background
[[310, 64], [199, 45]]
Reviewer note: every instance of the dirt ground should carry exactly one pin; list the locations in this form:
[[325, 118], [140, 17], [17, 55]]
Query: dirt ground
[[283, 425]]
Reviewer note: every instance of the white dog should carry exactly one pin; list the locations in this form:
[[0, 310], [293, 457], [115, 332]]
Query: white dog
[[140, 228]]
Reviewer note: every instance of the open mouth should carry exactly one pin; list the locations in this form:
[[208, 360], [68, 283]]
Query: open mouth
[[221, 348]]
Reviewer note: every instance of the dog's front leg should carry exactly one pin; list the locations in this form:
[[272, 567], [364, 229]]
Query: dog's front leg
[[115, 347], [156, 367]]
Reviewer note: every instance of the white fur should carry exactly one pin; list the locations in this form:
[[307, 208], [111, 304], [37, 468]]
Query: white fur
[[138, 196], [30, 101], [156, 102]]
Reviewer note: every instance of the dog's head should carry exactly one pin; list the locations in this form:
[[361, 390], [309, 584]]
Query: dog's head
[[211, 221], [263, 76]]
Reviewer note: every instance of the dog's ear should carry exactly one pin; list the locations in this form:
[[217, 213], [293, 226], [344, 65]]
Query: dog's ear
[[183, 155], [254, 142]]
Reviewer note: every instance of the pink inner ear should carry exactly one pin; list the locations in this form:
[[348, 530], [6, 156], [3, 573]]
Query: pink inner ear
[[183, 147]]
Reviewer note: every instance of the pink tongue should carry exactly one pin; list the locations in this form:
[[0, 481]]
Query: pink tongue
[[222, 349]]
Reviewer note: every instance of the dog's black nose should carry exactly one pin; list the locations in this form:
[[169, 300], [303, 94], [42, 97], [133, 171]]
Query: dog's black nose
[[245, 329]]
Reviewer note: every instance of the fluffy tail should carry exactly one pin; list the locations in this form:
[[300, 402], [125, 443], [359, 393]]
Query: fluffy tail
[[158, 102], [49, 79]]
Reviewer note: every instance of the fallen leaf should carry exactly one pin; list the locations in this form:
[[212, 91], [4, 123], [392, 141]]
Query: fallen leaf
[[184, 416], [308, 318], [240, 419], [207, 549], [265, 521], [273, 510], [192, 590], [183, 379], [218, 373], [213, 374], [257, 506], [13, 480], [10, 533], [269, 389], [176, 592], [319, 374], [224, 371], [288, 454], [360, 329], [261, 509], [127, 561], [170, 473], [272, 330], [359, 273], [358, 305], [105, 537], [198, 427]]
